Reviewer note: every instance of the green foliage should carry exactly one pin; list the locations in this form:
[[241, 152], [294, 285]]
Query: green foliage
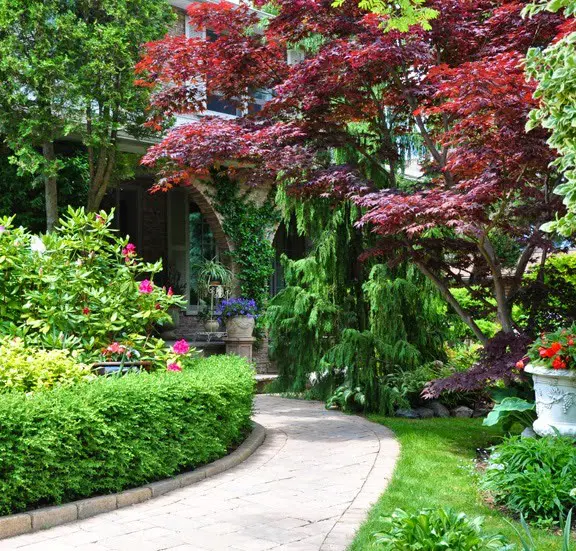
[[481, 306], [27, 369], [248, 225], [67, 68], [344, 327], [511, 411], [21, 196], [400, 15], [116, 433], [78, 288], [535, 477], [437, 530], [527, 540], [548, 301], [555, 70]]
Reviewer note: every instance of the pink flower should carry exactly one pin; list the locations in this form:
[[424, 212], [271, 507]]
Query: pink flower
[[181, 347], [129, 250], [173, 367], [99, 219], [146, 287], [116, 348], [170, 292]]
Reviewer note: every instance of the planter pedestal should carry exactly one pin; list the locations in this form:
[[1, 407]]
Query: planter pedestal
[[240, 346], [555, 400]]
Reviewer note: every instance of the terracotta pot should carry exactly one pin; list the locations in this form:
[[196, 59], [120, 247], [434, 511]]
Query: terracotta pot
[[211, 326], [240, 326], [555, 400]]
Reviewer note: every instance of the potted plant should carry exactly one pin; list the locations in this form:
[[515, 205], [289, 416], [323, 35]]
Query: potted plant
[[212, 273], [213, 279], [239, 315], [552, 365]]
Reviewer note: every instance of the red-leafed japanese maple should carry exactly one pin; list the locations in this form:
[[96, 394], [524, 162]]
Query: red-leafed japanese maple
[[343, 120]]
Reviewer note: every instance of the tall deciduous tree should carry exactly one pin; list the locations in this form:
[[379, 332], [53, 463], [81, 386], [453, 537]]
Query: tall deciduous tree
[[66, 71], [457, 93]]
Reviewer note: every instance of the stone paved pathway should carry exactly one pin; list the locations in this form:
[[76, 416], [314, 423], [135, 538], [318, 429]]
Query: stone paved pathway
[[308, 488]]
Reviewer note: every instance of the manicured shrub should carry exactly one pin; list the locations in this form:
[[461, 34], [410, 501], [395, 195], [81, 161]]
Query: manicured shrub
[[535, 477], [120, 432], [433, 530], [29, 369]]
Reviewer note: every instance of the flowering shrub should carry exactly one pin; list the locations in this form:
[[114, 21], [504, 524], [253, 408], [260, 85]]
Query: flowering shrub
[[237, 307], [81, 287], [556, 350]]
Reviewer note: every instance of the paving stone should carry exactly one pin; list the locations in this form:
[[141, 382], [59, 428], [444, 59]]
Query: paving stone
[[307, 488]]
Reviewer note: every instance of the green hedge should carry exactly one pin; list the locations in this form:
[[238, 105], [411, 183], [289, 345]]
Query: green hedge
[[116, 433]]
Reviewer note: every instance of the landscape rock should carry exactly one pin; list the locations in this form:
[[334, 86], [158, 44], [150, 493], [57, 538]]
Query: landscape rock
[[462, 411], [440, 410], [407, 414], [424, 413]]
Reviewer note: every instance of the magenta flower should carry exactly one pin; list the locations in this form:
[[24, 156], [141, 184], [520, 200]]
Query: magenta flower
[[146, 287], [173, 367], [129, 250], [170, 292], [181, 347]]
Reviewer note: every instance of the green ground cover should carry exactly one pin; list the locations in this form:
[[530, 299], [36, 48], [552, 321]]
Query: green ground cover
[[436, 469]]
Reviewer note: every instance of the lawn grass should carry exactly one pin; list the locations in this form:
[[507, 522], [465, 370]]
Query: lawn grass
[[435, 470]]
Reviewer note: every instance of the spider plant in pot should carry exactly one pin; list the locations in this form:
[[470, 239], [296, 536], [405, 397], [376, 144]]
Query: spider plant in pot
[[213, 281]]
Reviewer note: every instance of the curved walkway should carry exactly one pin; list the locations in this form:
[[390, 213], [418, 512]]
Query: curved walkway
[[308, 488]]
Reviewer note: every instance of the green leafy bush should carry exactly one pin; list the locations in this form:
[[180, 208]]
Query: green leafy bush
[[534, 477], [115, 433], [28, 369], [80, 287], [437, 530]]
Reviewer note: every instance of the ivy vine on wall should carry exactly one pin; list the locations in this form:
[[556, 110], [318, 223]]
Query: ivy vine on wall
[[248, 226]]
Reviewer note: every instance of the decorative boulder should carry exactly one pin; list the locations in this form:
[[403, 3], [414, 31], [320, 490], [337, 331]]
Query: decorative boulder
[[424, 413], [440, 410], [407, 414], [462, 411]]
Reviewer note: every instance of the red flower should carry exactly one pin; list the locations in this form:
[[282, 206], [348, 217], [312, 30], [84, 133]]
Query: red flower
[[550, 352], [520, 364], [86, 311], [558, 363]]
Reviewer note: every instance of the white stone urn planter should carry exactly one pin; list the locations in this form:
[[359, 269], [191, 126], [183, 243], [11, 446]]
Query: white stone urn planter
[[555, 400], [240, 327]]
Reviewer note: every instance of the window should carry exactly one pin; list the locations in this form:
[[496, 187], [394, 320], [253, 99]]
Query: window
[[202, 246]]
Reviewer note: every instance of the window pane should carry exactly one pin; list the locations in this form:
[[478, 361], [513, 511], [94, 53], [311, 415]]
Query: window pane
[[202, 247]]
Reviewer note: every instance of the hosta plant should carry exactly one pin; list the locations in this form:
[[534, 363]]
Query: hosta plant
[[437, 530]]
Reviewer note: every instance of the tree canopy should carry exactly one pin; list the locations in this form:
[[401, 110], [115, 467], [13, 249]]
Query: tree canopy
[[344, 121]]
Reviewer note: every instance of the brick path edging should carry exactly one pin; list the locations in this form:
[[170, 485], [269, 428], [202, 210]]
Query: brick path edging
[[48, 517]]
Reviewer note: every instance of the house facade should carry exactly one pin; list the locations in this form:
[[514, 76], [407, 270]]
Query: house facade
[[181, 226]]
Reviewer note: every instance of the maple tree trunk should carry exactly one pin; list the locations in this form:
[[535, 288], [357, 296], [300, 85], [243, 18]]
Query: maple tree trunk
[[50, 189], [449, 297]]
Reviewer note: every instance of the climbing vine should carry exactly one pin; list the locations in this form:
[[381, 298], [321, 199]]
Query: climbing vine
[[248, 225]]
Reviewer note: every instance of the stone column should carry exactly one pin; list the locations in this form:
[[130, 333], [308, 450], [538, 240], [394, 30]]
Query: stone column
[[240, 346]]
